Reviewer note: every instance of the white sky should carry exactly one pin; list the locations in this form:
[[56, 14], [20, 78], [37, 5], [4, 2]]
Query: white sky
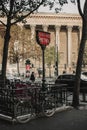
[[67, 8]]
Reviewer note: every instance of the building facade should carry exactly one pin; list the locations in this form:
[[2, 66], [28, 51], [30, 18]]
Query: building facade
[[65, 31]]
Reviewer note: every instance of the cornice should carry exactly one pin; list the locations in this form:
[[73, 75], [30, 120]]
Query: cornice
[[55, 19], [54, 15]]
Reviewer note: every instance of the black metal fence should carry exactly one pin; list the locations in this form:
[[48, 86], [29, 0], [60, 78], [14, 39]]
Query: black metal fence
[[14, 92], [10, 94]]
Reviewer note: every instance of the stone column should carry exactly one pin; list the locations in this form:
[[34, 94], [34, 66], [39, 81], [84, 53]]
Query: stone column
[[45, 28], [69, 36], [79, 34], [33, 51], [32, 32], [57, 29], [57, 42]]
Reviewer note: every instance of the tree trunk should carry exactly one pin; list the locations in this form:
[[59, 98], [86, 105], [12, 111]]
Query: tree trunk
[[76, 91], [5, 52]]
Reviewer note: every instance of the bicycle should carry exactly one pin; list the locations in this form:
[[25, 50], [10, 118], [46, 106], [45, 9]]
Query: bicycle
[[36, 101]]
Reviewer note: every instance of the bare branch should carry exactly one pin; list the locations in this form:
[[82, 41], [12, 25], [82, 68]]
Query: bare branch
[[23, 17], [79, 8], [85, 10], [3, 7], [2, 23]]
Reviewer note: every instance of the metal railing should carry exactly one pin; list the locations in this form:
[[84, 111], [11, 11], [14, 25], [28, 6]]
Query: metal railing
[[13, 93]]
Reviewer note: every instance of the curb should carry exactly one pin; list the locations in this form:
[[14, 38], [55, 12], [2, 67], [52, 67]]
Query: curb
[[63, 108], [59, 109]]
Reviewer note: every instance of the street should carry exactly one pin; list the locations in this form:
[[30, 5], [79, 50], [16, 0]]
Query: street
[[66, 120]]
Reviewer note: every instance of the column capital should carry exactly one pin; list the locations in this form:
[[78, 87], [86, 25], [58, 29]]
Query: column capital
[[79, 28], [45, 27], [69, 28], [32, 26], [57, 27]]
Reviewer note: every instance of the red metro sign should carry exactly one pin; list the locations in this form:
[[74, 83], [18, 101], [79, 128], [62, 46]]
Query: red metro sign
[[43, 38]]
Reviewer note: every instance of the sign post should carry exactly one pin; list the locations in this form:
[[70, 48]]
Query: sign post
[[43, 39]]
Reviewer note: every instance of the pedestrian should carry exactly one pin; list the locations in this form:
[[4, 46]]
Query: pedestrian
[[32, 77]]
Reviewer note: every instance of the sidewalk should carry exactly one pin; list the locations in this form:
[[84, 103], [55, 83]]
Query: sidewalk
[[59, 109], [70, 119]]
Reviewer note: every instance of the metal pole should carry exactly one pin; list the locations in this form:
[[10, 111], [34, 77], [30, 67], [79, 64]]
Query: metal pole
[[56, 59], [57, 40], [18, 65], [43, 66]]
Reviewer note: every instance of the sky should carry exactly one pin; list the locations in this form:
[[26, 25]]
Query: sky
[[67, 8]]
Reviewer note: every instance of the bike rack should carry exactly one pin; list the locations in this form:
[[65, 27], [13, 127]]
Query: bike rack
[[10, 94]]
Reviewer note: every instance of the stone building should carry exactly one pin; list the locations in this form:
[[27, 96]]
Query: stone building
[[65, 30]]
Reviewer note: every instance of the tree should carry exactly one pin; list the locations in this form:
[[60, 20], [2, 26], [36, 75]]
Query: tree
[[49, 58], [83, 15], [85, 56], [14, 11]]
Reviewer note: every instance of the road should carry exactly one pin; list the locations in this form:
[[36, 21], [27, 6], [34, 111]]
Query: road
[[66, 120]]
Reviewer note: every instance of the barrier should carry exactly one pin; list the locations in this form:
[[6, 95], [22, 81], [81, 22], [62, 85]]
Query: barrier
[[12, 93]]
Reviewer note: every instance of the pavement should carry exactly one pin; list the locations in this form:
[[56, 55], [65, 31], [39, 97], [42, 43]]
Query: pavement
[[64, 119]]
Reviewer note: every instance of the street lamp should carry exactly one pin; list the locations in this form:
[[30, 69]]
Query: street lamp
[[43, 39]]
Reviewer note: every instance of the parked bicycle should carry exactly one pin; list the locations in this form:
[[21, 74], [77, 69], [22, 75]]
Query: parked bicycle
[[33, 102], [23, 100]]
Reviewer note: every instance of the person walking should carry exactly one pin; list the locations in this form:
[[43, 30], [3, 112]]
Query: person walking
[[32, 77]]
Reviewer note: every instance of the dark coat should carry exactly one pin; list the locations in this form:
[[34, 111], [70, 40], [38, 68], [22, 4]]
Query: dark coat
[[32, 77]]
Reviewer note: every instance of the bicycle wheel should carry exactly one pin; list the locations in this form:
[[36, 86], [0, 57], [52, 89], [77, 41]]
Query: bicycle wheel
[[23, 112], [49, 106]]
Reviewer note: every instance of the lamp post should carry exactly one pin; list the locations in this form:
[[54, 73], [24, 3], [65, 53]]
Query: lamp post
[[57, 29], [43, 39], [17, 60], [56, 64]]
